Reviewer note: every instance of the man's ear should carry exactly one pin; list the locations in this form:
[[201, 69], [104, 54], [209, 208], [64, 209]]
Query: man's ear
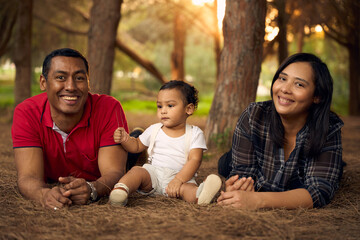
[[42, 83], [190, 108], [316, 100]]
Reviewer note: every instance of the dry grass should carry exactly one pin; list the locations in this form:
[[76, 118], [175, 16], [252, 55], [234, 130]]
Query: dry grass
[[165, 218]]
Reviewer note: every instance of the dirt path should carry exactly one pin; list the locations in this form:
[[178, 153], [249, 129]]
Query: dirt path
[[164, 218]]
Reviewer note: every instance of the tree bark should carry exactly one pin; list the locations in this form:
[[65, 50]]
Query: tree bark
[[282, 20], [104, 21], [354, 98], [240, 65], [22, 51], [354, 60], [178, 53], [8, 16]]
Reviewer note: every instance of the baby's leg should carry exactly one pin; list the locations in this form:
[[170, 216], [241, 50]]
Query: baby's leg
[[136, 178], [188, 192], [203, 194]]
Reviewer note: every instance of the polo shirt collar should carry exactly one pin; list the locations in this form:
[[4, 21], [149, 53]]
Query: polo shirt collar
[[46, 118]]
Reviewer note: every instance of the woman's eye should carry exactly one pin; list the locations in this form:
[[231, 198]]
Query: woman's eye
[[282, 78], [299, 84]]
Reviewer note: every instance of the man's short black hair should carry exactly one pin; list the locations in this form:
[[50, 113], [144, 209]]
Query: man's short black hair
[[64, 52]]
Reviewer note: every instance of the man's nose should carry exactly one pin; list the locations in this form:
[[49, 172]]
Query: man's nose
[[70, 84]]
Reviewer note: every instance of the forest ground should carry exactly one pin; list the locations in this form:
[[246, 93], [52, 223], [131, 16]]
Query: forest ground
[[165, 218]]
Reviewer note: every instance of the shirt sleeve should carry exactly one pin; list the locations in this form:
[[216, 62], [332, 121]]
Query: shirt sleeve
[[323, 174], [25, 129], [244, 161], [112, 118], [145, 136], [198, 139]]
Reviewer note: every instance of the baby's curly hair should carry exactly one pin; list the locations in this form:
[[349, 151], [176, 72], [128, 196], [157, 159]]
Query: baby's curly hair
[[189, 92]]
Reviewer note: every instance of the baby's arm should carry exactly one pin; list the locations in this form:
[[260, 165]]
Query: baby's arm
[[186, 173], [130, 144], [191, 166]]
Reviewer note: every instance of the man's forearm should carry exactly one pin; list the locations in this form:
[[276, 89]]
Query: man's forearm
[[32, 188], [106, 183]]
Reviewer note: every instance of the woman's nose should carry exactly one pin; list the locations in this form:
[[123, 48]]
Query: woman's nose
[[286, 87]]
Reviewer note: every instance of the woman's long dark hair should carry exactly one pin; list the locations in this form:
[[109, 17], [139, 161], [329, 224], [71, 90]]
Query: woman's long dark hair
[[319, 113]]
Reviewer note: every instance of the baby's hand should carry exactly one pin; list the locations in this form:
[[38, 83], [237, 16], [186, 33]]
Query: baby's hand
[[173, 188], [120, 135]]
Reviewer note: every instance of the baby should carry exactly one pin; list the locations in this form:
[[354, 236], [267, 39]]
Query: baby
[[175, 152]]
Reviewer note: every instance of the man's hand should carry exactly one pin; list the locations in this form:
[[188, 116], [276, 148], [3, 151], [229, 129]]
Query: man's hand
[[76, 189], [54, 198], [173, 188], [244, 184]]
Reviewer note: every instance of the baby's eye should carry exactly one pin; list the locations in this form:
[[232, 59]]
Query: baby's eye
[[170, 105], [158, 106]]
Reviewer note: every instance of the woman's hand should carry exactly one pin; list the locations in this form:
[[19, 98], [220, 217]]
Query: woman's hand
[[244, 184], [240, 199]]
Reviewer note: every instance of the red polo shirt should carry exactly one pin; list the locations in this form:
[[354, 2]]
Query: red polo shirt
[[78, 156]]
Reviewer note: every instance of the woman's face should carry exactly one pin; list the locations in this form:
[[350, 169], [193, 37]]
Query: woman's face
[[293, 91]]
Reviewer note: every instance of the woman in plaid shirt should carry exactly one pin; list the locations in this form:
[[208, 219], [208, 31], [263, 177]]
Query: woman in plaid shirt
[[287, 153]]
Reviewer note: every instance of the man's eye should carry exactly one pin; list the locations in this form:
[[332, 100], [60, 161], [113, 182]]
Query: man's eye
[[60, 77], [80, 78]]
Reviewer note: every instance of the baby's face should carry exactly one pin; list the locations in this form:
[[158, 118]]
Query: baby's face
[[171, 109]]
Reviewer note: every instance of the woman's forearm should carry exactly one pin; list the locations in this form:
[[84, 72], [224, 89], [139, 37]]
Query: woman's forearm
[[297, 198]]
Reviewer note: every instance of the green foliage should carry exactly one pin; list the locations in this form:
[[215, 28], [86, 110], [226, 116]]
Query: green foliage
[[222, 141]]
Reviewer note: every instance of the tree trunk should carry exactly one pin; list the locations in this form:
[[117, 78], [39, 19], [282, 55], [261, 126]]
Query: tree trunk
[[177, 56], [8, 16], [240, 65], [104, 21], [354, 98], [300, 40], [282, 23], [22, 51], [354, 60]]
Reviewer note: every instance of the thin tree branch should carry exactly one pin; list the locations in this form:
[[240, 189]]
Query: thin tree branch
[[58, 26]]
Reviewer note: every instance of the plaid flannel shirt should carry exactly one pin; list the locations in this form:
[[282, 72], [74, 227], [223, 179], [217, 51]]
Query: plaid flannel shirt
[[255, 155]]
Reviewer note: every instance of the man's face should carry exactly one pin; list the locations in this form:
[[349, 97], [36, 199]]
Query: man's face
[[67, 87]]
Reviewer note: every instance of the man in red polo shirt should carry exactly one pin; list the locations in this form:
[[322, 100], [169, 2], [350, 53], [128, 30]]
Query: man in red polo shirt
[[65, 135]]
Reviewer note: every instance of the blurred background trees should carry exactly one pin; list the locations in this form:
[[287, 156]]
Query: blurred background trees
[[134, 46]]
